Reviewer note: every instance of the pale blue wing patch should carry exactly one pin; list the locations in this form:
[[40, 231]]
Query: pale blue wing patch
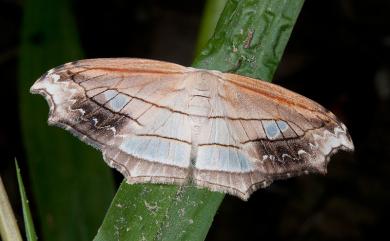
[[286, 129], [283, 126], [105, 96], [118, 102], [218, 158], [179, 153], [156, 149], [272, 130]]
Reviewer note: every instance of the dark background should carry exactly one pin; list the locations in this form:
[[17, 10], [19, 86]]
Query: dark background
[[338, 55]]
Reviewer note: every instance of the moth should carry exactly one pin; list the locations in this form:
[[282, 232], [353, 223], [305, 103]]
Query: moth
[[161, 122]]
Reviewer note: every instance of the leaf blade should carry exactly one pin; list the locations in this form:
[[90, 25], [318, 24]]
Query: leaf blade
[[211, 13], [28, 222], [9, 230], [251, 45]]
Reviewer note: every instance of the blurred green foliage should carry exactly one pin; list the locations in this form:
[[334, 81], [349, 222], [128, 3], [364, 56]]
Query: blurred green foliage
[[71, 184]]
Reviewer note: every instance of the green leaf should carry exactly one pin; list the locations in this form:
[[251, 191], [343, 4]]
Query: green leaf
[[28, 222], [249, 39], [71, 184], [211, 13], [159, 212], [9, 230]]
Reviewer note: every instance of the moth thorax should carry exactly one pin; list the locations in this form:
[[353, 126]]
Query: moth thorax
[[200, 93]]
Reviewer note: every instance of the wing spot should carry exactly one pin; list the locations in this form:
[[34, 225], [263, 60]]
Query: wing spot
[[301, 152], [271, 129], [95, 121], [282, 125]]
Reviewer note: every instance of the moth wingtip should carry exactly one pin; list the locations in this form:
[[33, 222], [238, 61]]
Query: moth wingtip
[[53, 119], [38, 85], [323, 170], [349, 146], [245, 197], [34, 89], [348, 143]]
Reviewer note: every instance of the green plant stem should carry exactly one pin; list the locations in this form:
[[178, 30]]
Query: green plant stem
[[28, 222], [249, 39], [9, 229]]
